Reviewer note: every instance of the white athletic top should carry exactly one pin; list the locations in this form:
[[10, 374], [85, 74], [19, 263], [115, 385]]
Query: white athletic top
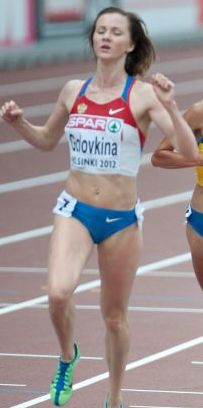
[[104, 138]]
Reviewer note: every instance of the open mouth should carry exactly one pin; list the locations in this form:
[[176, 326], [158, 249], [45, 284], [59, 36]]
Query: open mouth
[[105, 47]]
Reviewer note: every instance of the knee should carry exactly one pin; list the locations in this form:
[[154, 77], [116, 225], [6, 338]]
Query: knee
[[116, 322], [58, 297]]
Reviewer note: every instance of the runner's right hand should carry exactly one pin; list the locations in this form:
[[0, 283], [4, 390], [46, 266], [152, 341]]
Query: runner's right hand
[[11, 112]]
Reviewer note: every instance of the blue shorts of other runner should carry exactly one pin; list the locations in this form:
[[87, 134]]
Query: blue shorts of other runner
[[195, 219]]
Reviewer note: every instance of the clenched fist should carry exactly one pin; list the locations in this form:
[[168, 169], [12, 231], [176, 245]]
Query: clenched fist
[[11, 112], [164, 88]]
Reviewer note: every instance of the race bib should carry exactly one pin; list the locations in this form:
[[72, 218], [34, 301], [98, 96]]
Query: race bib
[[94, 142]]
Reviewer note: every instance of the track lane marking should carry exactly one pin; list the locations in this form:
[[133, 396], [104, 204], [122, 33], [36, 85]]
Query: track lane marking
[[157, 406], [163, 391], [44, 356], [13, 385], [134, 364]]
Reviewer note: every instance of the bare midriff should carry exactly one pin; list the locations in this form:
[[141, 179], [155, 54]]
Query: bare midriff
[[106, 191]]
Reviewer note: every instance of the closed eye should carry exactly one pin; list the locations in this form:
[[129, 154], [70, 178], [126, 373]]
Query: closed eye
[[113, 30]]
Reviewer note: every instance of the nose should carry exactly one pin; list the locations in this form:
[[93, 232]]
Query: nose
[[107, 35]]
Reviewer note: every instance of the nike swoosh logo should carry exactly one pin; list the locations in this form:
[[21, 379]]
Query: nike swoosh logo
[[112, 219], [114, 111]]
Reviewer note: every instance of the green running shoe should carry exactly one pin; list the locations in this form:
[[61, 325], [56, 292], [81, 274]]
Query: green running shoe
[[61, 387]]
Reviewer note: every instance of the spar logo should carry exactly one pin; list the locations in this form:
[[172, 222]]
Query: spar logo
[[114, 125], [87, 122]]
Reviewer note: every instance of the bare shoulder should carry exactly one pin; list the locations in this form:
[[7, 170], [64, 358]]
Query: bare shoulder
[[73, 85], [198, 106], [194, 115], [144, 89], [72, 88], [144, 93], [142, 86], [69, 92]]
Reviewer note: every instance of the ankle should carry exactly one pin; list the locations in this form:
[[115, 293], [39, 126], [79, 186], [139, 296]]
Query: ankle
[[69, 357], [114, 403]]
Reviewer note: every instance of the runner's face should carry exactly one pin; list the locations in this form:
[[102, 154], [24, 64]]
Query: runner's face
[[111, 39]]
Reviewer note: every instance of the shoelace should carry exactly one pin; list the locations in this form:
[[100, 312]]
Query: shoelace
[[62, 375]]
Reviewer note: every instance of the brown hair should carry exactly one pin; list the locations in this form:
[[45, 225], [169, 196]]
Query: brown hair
[[139, 60]]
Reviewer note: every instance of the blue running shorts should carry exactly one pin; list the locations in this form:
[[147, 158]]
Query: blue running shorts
[[100, 222]]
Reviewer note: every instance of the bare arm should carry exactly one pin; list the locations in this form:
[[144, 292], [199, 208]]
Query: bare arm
[[47, 136], [165, 113], [166, 157]]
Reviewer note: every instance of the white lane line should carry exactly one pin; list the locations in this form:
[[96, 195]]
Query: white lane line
[[95, 271], [34, 182], [23, 305], [135, 364], [165, 310], [147, 309], [167, 200], [22, 269], [43, 356], [159, 406], [96, 283], [197, 362], [22, 236], [171, 274], [13, 385], [130, 308], [163, 391], [164, 263], [30, 269]]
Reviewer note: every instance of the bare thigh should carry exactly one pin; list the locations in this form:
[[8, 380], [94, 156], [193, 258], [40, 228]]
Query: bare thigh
[[196, 247], [70, 248], [119, 258]]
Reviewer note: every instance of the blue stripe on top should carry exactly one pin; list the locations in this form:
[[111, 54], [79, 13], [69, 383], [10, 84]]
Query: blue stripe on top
[[84, 87], [127, 87]]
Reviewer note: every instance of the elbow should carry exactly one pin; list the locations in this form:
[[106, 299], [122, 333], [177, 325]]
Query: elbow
[[48, 147], [48, 140], [192, 155], [155, 160], [48, 144], [44, 147]]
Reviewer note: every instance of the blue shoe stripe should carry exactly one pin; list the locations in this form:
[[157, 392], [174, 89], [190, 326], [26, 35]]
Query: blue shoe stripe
[[61, 388], [56, 401]]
